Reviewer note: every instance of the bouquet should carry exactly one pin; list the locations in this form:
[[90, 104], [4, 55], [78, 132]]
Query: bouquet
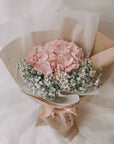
[[58, 66], [48, 56]]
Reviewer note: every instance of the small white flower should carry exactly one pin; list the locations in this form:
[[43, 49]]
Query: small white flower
[[66, 88], [74, 73], [52, 92], [73, 83], [52, 77], [81, 88], [97, 82], [41, 83], [92, 73], [75, 90], [73, 77], [37, 85], [78, 78], [64, 75], [58, 81], [84, 76], [62, 81], [64, 84], [31, 79], [53, 89], [43, 89], [58, 77], [27, 73], [47, 83], [37, 79], [38, 72]]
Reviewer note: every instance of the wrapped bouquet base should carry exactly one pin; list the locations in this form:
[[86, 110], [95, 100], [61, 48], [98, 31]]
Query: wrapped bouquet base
[[61, 119]]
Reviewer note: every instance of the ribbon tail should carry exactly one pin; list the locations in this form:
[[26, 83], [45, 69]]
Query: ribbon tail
[[66, 114], [72, 110], [46, 111]]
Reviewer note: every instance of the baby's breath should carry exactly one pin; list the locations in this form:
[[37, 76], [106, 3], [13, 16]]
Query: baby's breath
[[83, 79]]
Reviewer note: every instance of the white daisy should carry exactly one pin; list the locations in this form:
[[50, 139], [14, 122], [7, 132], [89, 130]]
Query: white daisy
[[92, 73], [47, 82], [41, 83], [73, 83], [66, 88], [37, 85]]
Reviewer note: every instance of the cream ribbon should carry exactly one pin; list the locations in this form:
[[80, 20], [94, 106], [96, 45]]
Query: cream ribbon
[[66, 114]]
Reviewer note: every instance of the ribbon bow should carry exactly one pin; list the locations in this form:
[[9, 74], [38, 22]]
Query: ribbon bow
[[66, 114]]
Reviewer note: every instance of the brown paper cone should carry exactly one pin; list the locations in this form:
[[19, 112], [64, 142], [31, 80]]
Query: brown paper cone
[[101, 43]]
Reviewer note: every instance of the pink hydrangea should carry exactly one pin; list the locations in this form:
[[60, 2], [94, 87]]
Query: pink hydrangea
[[56, 56]]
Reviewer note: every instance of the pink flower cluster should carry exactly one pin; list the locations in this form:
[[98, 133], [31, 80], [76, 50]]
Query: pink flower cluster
[[56, 56]]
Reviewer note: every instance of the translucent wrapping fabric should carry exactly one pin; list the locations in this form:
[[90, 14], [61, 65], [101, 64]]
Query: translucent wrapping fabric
[[19, 36]]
